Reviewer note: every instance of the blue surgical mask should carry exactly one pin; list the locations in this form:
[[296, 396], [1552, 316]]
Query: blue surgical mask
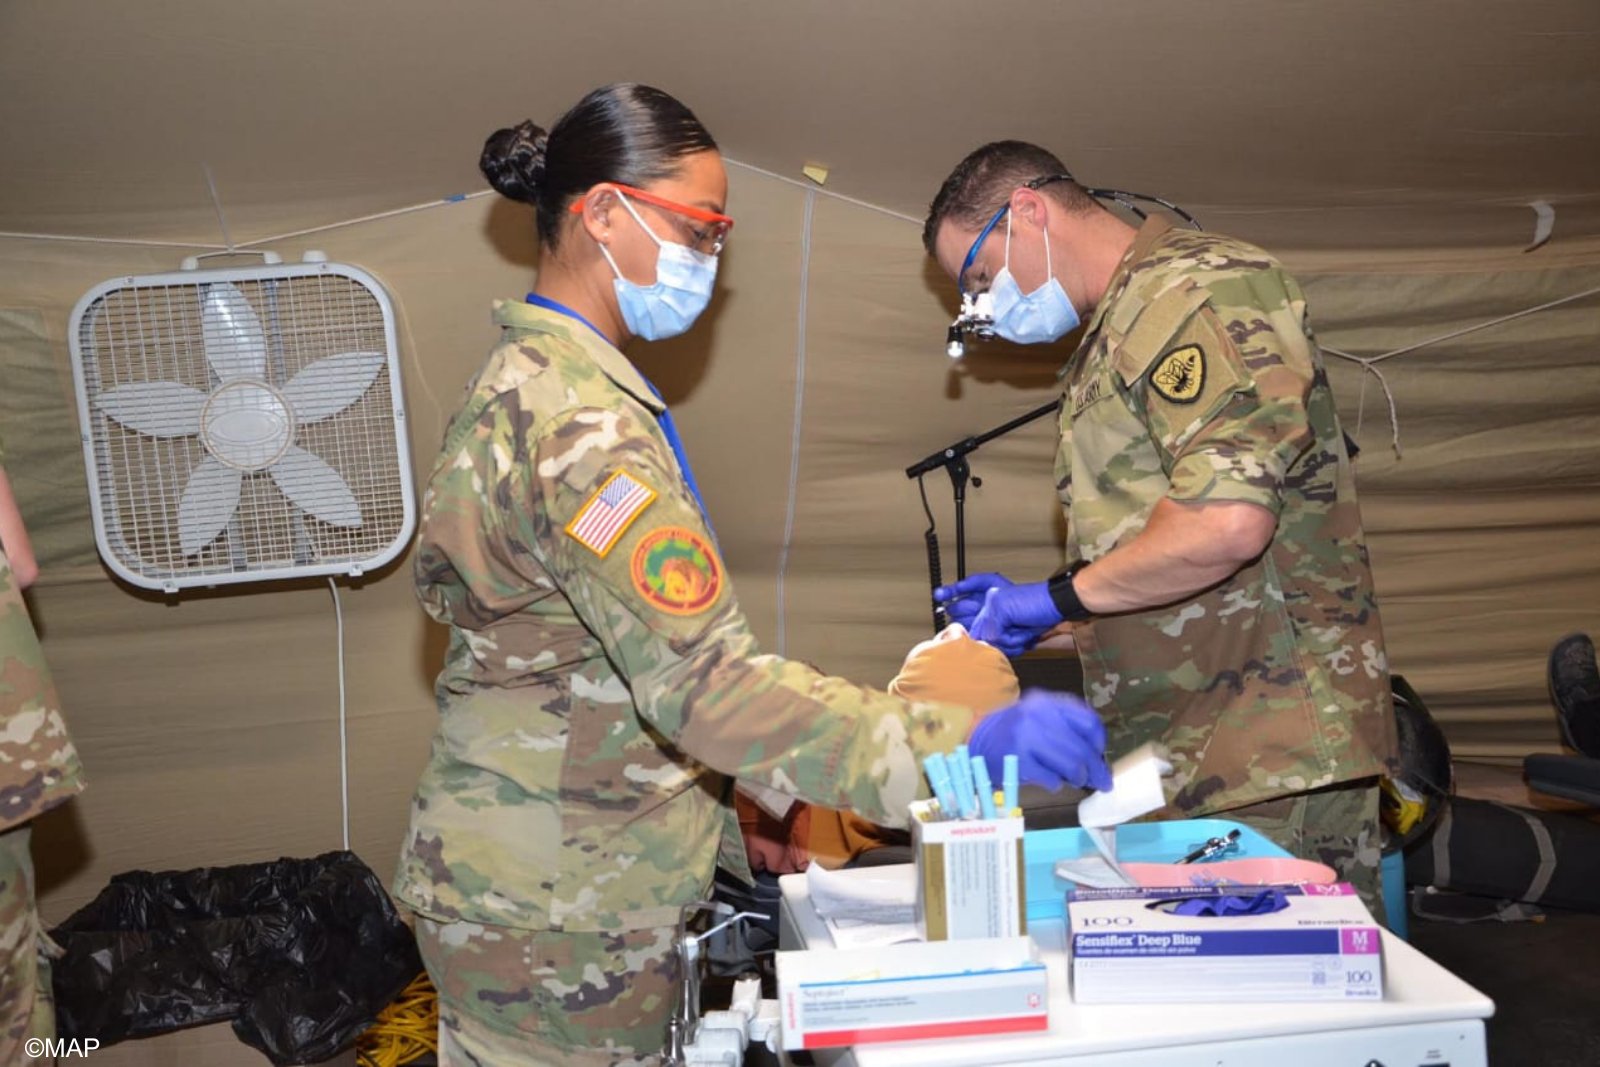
[[1044, 315], [682, 289]]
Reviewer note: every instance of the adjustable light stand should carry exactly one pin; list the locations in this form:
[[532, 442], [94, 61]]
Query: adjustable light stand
[[953, 458]]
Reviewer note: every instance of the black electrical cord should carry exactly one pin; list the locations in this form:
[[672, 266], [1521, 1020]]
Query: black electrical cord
[[1125, 199], [1121, 196], [935, 566]]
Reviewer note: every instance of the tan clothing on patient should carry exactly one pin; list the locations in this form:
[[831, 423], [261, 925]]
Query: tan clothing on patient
[[952, 668]]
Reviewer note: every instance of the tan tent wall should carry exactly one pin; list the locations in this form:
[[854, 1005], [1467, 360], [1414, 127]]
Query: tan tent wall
[[1388, 151], [1358, 125], [209, 725], [1485, 534]]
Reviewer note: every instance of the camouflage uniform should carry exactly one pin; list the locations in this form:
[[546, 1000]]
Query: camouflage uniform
[[38, 770], [601, 691], [1198, 379]]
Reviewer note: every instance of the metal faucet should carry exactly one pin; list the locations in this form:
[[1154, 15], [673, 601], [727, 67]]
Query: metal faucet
[[685, 1021]]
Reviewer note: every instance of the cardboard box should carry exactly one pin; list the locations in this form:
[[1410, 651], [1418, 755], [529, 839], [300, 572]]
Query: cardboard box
[[969, 876], [1125, 949], [910, 992]]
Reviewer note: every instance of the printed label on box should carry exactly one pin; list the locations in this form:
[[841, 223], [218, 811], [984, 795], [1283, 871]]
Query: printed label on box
[[919, 990], [969, 877], [1125, 949]]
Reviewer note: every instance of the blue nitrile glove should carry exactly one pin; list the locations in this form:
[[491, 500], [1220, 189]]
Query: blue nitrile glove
[[1261, 902], [1058, 740], [963, 600], [1015, 617]]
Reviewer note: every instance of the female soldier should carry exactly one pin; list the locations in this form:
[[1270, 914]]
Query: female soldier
[[602, 687]]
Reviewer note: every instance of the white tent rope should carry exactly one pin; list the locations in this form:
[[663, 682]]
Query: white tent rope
[[376, 217], [424, 206], [416, 365], [1361, 398], [138, 242], [812, 187], [344, 744], [216, 202], [459, 198], [144, 242], [794, 440], [1368, 362]]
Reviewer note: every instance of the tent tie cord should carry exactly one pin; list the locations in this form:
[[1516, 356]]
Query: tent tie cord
[[1368, 363]]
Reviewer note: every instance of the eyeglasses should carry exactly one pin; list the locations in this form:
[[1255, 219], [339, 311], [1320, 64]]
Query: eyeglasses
[[708, 238], [1119, 196], [972, 253]]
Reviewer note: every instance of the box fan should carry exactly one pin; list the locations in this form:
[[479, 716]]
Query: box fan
[[242, 425]]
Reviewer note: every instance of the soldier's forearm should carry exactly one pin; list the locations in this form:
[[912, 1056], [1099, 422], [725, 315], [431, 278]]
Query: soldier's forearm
[[14, 536], [781, 724], [1183, 549]]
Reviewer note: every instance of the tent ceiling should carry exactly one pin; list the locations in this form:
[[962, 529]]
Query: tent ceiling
[[1363, 124]]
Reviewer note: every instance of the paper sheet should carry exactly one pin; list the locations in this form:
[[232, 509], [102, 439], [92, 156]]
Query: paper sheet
[[872, 894], [1100, 871], [1135, 790], [860, 933]]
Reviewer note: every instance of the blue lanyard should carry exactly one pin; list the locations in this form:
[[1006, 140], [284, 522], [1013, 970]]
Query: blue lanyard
[[561, 309], [669, 429]]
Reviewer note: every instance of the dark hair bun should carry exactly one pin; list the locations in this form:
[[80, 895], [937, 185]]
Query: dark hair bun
[[513, 161]]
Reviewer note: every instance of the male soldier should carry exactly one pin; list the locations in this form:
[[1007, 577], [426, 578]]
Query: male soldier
[[38, 770], [1217, 585]]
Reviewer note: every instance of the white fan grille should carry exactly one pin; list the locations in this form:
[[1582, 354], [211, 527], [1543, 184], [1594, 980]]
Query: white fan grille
[[155, 333]]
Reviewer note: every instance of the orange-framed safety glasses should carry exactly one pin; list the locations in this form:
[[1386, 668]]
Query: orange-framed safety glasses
[[708, 238]]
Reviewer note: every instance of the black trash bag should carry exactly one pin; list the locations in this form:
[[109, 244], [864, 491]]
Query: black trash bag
[[301, 954]]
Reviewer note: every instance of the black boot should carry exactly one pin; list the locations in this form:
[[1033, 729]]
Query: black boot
[[1575, 688]]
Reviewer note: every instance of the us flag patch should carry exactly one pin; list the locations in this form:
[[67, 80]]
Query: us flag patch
[[606, 516]]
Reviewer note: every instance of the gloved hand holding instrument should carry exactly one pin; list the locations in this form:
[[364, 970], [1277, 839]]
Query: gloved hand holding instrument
[[963, 600], [1059, 739], [1001, 613]]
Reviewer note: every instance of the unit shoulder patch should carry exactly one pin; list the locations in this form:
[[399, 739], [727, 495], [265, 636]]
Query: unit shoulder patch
[[1180, 375], [606, 515], [676, 571]]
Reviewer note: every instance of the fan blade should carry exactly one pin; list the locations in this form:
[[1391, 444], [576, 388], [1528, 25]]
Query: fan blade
[[316, 488], [209, 501], [159, 409], [330, 385], [235, 344]]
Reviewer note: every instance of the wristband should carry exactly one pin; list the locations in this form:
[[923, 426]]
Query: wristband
[[1065, 597]]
